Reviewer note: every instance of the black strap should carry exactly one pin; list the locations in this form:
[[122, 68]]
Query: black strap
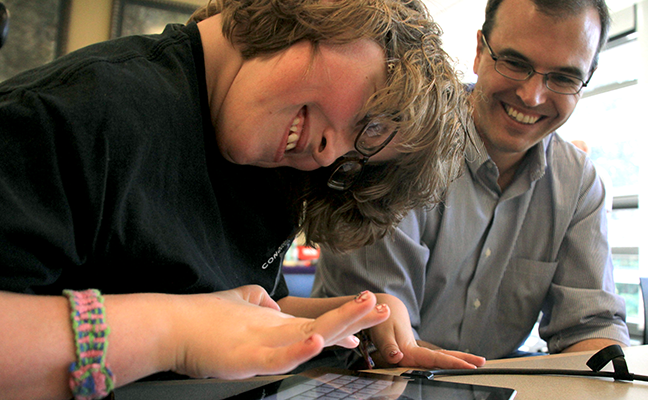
[[615, 354]]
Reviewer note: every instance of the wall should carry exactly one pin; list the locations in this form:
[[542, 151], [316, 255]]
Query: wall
[[90, 21]]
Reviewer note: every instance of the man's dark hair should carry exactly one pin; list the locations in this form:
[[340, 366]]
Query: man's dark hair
[[558, 8]]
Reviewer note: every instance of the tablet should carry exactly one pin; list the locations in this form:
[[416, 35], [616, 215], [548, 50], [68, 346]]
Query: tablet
[[336, 384]]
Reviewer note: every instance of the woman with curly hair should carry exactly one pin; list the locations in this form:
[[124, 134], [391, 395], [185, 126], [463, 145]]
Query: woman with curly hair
[[169, 173]]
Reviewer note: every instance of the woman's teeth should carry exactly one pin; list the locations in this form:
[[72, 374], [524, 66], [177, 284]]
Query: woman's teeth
[[294, 134], [519, 117]]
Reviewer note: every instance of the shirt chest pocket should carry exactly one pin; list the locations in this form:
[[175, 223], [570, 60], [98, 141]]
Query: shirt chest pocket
[[523, 289]]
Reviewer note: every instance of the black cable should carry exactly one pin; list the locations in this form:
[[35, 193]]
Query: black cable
[[596, 363], [518, 371]]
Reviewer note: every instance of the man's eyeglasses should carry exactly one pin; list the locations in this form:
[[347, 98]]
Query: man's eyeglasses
[[519, 70], [373, 137]]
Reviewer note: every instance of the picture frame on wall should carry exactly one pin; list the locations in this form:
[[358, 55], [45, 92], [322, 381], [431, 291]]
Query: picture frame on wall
[[37, 34], [143, 17]]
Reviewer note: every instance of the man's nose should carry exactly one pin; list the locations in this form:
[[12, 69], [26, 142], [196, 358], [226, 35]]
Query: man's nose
[[333, 145], [533, 91]]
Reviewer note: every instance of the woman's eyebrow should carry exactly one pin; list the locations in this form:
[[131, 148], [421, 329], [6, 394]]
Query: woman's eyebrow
[[362, 121]]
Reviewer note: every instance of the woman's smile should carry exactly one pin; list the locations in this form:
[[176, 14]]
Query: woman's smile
[[297, 134]]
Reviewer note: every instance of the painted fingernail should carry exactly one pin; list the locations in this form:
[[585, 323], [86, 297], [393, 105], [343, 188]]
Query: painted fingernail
[[393, 353], [381, 308], [362, 296], [355, 340]]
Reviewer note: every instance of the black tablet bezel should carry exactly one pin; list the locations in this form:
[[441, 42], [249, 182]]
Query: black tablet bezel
[[274, 388]]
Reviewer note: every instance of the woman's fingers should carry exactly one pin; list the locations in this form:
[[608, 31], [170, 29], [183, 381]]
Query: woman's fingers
[[216, 341], [444, 359], [397, 344], [336, 326], [264, 360], [290, 357], [477, 361], [253, 294]]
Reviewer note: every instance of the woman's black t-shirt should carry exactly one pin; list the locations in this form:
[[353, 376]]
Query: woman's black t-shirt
[[110, 178]]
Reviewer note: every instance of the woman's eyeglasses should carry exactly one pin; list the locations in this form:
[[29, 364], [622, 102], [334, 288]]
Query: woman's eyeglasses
[[373, 137]]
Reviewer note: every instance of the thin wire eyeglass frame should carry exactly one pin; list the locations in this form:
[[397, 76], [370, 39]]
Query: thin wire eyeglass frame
[[530, 71]]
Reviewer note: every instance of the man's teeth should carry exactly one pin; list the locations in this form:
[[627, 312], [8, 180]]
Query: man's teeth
[[519, 117], [294, 136]]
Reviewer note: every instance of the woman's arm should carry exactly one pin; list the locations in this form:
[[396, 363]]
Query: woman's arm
[[232, 334], [37, 344]]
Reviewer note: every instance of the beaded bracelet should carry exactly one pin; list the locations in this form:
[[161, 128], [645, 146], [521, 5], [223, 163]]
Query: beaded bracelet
[[90, 376]]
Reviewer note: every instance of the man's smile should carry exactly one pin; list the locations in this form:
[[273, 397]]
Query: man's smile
[[521, 117]]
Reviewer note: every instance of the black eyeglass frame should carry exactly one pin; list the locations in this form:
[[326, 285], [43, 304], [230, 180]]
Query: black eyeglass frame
[[532, 71], [356, 160]]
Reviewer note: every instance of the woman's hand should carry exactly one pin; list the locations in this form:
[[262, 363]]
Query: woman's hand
[[241, 332], [396, 344]]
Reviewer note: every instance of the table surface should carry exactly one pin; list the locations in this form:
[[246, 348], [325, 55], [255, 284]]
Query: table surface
[[528, 387], [536, 387]]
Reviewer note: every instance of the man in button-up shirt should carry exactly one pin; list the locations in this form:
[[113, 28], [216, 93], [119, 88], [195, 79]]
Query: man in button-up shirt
[[524, 229]]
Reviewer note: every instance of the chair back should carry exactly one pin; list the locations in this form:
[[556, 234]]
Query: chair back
[[643, 282]]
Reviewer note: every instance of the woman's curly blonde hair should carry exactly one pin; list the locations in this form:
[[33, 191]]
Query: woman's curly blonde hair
[[423, 95]]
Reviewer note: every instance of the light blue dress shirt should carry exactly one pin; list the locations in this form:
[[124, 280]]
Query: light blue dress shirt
[[475, 271]]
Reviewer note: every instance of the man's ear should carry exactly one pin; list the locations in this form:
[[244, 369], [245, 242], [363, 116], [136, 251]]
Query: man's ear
[[478, 51], [592, 70]]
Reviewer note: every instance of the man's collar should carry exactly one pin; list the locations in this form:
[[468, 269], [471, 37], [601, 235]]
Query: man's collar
[[535, 163], [536, 156]]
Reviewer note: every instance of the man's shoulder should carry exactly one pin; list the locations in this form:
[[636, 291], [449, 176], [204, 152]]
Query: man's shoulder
[[570, 173], [563, 157]]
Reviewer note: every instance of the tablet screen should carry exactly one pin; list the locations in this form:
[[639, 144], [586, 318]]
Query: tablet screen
[[332, 384]]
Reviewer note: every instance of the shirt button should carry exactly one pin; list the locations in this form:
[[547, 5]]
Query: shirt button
[[488, 252], [477, 304]]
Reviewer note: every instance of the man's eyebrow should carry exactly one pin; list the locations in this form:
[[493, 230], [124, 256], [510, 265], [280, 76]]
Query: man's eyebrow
[[568, 70]]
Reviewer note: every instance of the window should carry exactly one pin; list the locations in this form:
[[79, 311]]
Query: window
[[608, 119]]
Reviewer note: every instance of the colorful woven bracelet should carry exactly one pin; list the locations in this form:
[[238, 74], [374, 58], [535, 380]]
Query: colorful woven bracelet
[[90, 377]]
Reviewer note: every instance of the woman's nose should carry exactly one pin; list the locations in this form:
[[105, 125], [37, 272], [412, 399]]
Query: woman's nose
[[333, 145]]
